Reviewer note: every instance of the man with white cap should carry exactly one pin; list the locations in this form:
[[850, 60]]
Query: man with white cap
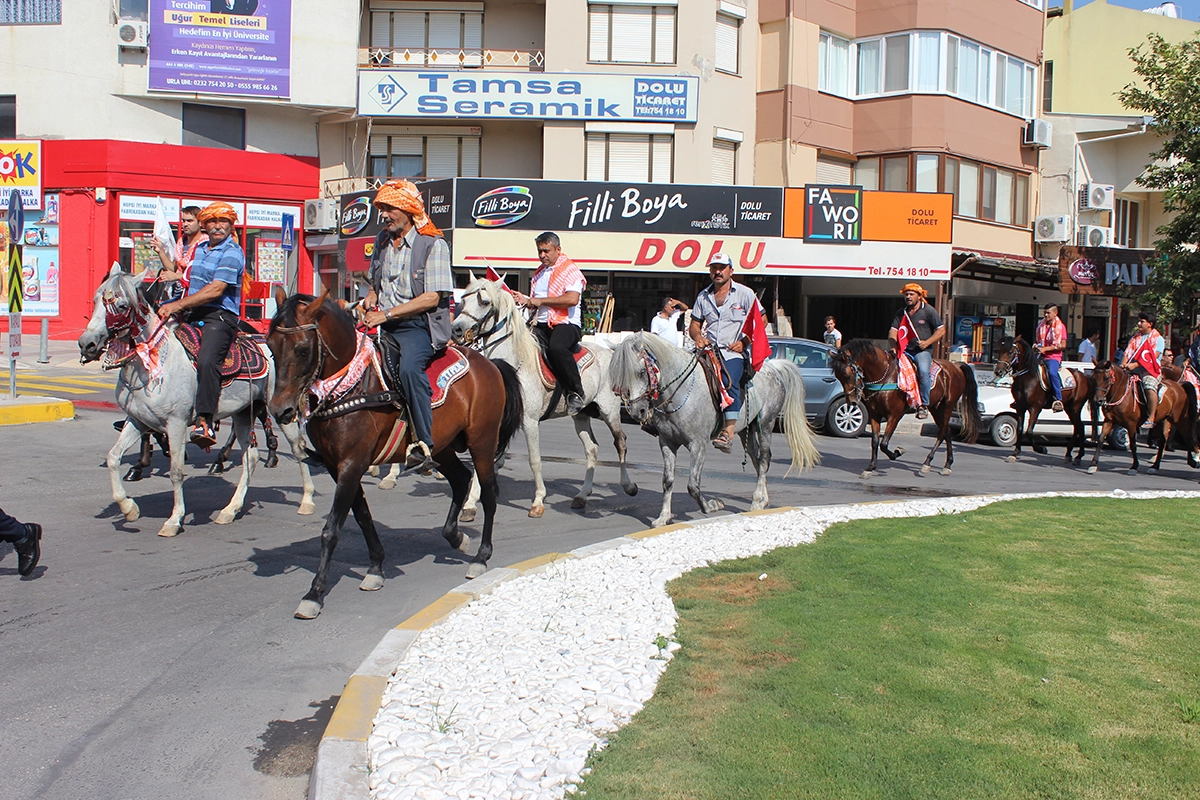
[[723, 307]]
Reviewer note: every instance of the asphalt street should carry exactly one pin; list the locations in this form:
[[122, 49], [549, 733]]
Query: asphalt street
[[138, 667]]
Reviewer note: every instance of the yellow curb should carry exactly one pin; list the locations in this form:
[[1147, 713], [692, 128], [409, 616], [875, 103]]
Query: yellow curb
[[48, 411], [767, 511], [650, 533], [540, 561], [434, 612], [356, 708]]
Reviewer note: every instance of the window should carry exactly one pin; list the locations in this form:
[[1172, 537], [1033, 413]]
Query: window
[[833, 65], [636, 157], [414, 35], [929, 52], [728, 40], [1021, 201], [832, 171], [1125, 223], [214, 126], [866, 173], [8, 116], [133, 9], [30, 12], [413, 155], [1048, 87], [724, 166], [631, 34], [868, 67], [985, 192], [895, 174], [895, 71], [926, 173], [968, 189]]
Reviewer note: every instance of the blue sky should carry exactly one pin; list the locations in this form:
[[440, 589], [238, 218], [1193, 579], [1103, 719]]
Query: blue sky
[[1188, 9]]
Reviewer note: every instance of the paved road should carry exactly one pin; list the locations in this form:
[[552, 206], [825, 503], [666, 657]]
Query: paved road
[[138, 667]]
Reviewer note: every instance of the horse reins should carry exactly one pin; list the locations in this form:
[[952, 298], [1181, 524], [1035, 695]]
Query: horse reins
[[311, 378], [486, 346]]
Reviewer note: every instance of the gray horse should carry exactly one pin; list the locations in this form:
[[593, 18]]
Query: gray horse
[[665, 386], [164, 400]]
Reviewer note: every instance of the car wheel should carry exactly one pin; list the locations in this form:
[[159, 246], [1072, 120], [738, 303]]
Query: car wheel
[[846, 420], [1004, 430], [1118, 439]]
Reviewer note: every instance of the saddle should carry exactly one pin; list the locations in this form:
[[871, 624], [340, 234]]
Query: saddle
[[715, 375], [446, 367], [245, 360], [1065, 376], [584, 358], [906, 379]]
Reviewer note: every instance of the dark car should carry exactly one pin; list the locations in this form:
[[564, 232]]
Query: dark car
[[824, 400]]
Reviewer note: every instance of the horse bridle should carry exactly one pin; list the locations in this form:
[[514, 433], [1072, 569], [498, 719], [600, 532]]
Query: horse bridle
[[311, 378], [862, 386], [121, 324], [655, 388], [1112, 382], [476, 332], [1009, 363]]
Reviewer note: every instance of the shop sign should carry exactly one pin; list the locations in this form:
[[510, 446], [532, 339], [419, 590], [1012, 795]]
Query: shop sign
[[244, 50], [1097, 306], [836, 214], [433, 94], [21, 169], [562, 206], [833, 214], [259, 215], [144, 209], [240, 208], [1103, 270]]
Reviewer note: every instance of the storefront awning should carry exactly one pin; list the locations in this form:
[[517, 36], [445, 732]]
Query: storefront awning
[[1004, 268]]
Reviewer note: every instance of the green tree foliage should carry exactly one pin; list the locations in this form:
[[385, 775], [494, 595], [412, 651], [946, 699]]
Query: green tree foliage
[[1171, 95]]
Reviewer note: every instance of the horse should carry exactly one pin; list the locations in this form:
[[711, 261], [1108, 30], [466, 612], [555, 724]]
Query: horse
[[1030, 391], [125, 330], [1176, 412], [665, 386], [316, 344], [490, 321], [870, 374]]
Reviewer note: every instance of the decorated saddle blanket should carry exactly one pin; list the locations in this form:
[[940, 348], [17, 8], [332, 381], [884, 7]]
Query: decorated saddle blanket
[[584, 358], [444, 370], [907, 379], [245, 360], [1065, 376]]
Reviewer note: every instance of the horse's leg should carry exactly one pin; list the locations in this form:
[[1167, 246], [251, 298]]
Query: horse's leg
[[893, 421], [224, 454], [177, 437], [349, 487], [874, 448], [668, 483], [1162, 445], [612, 418], [1075, 412], [389, 480], [1105, 430], [272, 440], [762, 462], [242, 424], [698, 448], [533, 443], [591, 454], [941, 416], [485, 468], [1015, 454], [291, 432], [1131, 433], [461, 480], [129, 434], [362, 515], [469, 507]]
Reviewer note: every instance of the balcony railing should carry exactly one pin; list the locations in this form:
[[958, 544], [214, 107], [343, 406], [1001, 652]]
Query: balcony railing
[[404, 58], [335, 187]]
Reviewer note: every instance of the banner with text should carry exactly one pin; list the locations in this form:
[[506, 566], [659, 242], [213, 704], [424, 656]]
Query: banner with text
[[21, 169], [1113, 271]]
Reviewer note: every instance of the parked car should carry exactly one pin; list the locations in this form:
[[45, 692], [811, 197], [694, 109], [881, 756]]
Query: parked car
[[1000, 418], [825, 402]]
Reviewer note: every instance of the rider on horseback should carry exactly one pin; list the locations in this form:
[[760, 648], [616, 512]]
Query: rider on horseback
[[411, 285], [1049, 340], [915, 329], [212, 302], [1142, 358]]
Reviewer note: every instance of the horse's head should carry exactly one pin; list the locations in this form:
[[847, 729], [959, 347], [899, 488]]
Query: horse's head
[[478, 311], [848, 364], [299, 351], [118, 311], [1104, 376], [634, 373], [1010, 354]]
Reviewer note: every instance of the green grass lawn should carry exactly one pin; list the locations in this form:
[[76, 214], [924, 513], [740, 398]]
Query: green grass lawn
[[1039, 649]]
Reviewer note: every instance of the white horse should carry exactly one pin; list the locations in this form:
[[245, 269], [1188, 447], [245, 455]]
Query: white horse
[[665, 385], [122, 319], [490, 321]]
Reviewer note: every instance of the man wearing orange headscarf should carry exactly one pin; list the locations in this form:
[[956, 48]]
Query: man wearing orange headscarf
[[212, 304], [411, 287], [916, 328]]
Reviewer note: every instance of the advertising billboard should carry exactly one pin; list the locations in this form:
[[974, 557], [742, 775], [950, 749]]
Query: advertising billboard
[[21, 169], [233, 47], [1113, 271]]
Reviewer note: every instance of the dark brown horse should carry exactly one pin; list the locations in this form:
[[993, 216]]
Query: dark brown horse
[[1031, 394], [1123, 405], [870, 374], [313, 339]]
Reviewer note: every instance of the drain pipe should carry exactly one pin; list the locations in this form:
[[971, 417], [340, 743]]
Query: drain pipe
[[788, 95]]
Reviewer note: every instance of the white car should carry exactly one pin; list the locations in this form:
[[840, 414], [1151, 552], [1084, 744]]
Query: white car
[[1000, 418]]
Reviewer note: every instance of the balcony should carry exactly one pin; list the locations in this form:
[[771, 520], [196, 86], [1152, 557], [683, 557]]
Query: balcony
[[385, 58]]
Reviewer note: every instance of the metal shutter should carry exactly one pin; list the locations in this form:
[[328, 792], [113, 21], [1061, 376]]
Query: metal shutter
[[597, 157], [833, 172], [473, 39], [727, 43], [598, 33], [441, 157], [664, 36], [631, 34], [470, 157], [662, 159], [629, 157], [724, 158], [381, 29]]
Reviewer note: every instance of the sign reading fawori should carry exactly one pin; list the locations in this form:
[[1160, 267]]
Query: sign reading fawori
[[833, 214]]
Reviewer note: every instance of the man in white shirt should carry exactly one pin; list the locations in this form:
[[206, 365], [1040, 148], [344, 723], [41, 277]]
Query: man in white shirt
[[1087, 348], [666, 321]]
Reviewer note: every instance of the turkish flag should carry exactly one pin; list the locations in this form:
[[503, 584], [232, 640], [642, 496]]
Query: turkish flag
[[1147, 357], [495, 277], [760, 348], [906, 332]]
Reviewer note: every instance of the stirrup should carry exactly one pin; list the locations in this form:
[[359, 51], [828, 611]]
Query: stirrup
[[417, 458], [723, 443]]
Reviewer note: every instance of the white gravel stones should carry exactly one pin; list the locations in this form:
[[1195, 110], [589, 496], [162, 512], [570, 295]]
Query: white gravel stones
[[505, 698]]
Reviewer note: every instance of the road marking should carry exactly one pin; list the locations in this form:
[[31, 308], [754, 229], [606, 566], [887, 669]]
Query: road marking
[[99, 384]]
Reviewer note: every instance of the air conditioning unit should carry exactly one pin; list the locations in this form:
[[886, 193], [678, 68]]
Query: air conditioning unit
[[1096, 197], [1037, 134], [320, 214], [133, 34], [1052, 229], [1094, 236]]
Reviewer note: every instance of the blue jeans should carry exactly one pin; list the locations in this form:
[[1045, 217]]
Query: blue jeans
[[735, 367], [416, 353], [924, 362], [11, 530], [1053, 365]]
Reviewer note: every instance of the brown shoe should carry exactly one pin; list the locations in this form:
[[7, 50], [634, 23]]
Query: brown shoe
[[723, 443]]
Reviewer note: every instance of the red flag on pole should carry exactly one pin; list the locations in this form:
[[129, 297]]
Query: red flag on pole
[[492, 275], [760, 348], [905, 333], [1147, 357]]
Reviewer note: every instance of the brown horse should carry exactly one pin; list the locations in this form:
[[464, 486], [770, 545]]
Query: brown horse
[[313, 339], [1031, 394], [1176, 411], [870, 374]]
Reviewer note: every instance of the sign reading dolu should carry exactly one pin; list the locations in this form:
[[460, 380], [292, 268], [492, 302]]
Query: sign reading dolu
[[534, 95], [833, 214]]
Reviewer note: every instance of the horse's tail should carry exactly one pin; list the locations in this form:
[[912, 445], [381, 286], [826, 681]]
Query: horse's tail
[[968, 407], [1189, 413], [795, 422], [514, 405]]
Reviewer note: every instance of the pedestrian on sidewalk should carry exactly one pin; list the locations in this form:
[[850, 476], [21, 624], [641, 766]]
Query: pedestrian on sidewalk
[[26, 539]]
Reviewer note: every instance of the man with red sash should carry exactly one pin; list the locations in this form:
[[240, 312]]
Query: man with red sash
[[555, 293], [915, 329], [1142, 358], [1050, 339]]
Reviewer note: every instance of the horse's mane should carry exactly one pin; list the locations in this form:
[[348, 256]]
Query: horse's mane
[[285, 315], [859, 348], [1018, 343], [506, 307], [126, 285], [626, 361]]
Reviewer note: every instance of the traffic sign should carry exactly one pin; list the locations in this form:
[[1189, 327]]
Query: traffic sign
[[287, 238], [14, 335], [16, 235]]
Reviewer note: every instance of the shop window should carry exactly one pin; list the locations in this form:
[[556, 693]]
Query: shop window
[[214, 126], [421, 36], [728, 41], [431, 156], [724, 168], [833, 65], [640, 158], [631, 34], [31, 12], [8, 116], [1125, 223]]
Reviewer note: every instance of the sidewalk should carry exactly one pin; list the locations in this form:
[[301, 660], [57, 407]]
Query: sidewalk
[[29, 408]]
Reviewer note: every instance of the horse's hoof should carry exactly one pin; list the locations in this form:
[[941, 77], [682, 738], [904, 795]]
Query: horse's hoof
[[945, 470], [579, 502], [537, 511], [373, 471], [465, 545], [130, 510], [924, 469], [308, 609], [371, 583], [661, 522], [1093, 470], [714, 505], [899, 451], [631, 489], [1039, 450], [866, 473], [225, 517], [216, 469], [1131, 472], [1011, 459], [168, 530], [133, 476], [475, 570], [388, 483], [1151, 471], [306, 509], [466, 515]]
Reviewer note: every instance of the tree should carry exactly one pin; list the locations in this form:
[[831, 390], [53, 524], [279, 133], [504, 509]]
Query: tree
[[1171, 95]]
